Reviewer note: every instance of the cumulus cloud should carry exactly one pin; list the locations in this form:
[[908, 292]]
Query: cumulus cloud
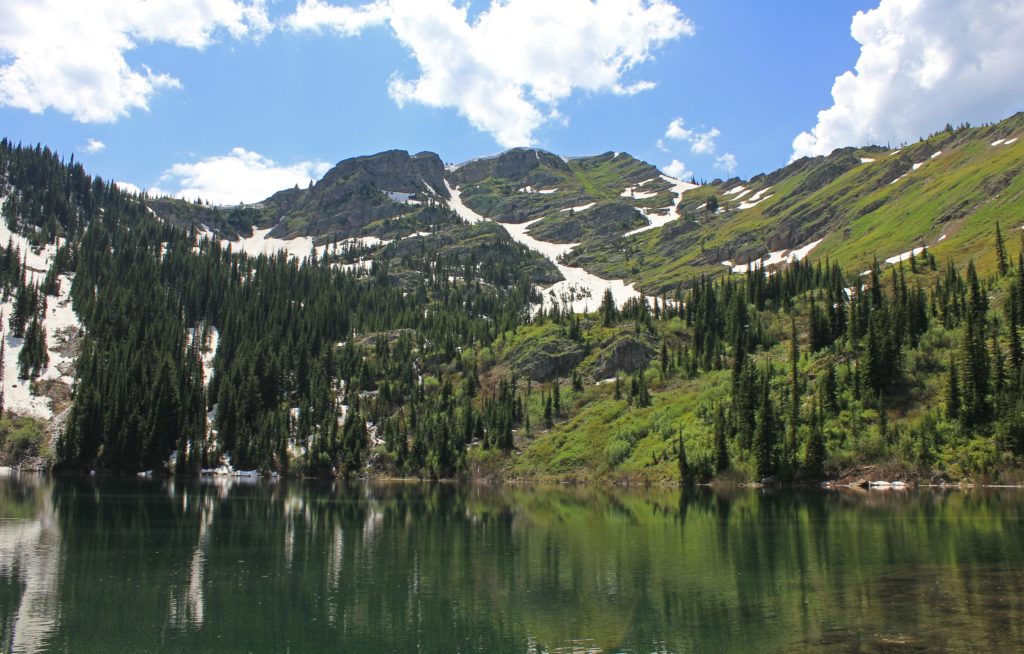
[[700, 142], [128, 187], [726, 162], [508, 69], [69, 55], [347, 21], [92, 146], [923, 63], [676, 169], [241, 176]]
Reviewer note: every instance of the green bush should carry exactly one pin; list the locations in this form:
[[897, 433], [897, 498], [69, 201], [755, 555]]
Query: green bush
[[21, 438], [616, 451]]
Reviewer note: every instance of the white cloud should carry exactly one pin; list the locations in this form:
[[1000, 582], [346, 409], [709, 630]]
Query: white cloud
[[704, 142], [923, 63], [347, 21], [700, 142], [677, 131], [92, 146], [128, 187], [508, 69], [69, 55], [241, 176], [726, 162], [676, 169]]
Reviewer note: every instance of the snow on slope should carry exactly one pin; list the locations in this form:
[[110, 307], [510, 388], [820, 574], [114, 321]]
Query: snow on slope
[[258, 244], [456, 205], [634, 194], [774, 258], [60, 323], [903, 256], [755, 199], [578, 209], [580, 289], [655, 219]]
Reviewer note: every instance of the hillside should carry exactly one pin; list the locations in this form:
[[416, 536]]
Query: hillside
[[945, 192], [489, 319]]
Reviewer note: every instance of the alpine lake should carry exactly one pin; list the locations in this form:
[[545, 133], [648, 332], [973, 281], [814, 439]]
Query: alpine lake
[[228, 565]]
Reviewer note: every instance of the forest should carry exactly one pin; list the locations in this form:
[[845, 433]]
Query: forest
[[403, 368]]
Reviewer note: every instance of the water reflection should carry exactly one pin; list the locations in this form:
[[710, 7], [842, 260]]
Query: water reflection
[[231, 565], [29, 564]]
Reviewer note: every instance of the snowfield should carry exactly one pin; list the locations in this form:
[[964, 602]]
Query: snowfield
[[456, 205], [660, 217], [60, 322], [580, 289]]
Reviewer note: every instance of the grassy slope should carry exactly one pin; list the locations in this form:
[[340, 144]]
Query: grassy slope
[[599, 438], [860, 214]]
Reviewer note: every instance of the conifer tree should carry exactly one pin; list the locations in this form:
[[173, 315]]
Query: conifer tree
[[1001, 260], [765, 434], [685, 472]]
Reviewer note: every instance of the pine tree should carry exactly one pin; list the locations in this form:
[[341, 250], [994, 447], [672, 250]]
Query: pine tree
[[765, 434], [721, 448], [685, 473], [1001, 260], [793, 422], [953, 392], [814, 454], [3, 354], [609, 314]]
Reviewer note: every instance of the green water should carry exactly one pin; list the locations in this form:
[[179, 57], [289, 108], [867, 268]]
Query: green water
[[142, 566]]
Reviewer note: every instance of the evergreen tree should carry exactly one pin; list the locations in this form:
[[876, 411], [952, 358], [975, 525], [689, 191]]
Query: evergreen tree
[[765, 433], [1001, 260], [685, 472], [953, 392]]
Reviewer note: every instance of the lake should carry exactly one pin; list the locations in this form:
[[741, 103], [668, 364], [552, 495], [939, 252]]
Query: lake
[[92, 565]]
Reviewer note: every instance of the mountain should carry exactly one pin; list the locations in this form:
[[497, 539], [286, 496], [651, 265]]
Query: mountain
[[945, 192], [528, 315], [627, 221]]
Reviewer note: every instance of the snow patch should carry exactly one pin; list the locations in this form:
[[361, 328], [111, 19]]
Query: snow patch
[[866, 160], [754, 199], [661, 217], [530, 189], [456, 205], [259, 243], [58, 321], [734, 191], [580, 290], [631, 192], [401, 197], [903, 256], [936, 154], [580, 208], [774, 258]]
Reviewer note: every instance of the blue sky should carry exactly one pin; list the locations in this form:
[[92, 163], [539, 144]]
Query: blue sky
[[245, 88]]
